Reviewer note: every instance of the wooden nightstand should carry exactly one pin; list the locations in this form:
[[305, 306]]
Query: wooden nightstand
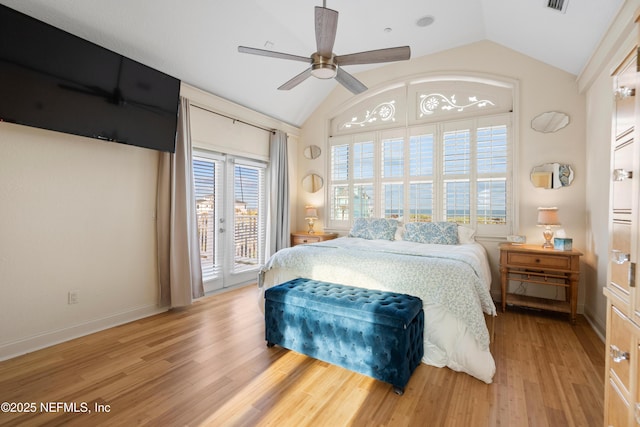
[[549, 267], [301, 237]]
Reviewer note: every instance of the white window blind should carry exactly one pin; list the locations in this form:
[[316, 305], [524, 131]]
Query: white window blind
[[421, 166], [363, 158], [206, 174], [492, 160], [453, 171], [339, 195], [249, 215]]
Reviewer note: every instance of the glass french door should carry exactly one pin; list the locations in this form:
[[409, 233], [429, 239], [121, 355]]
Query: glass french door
[[230, 208]]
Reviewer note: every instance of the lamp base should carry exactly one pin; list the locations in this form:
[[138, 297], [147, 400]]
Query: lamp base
[[310, 222], [548, 235]]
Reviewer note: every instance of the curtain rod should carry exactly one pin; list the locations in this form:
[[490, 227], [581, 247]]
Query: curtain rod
[[235, 120]]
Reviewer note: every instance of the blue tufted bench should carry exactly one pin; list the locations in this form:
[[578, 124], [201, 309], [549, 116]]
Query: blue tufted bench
[[376, 333]]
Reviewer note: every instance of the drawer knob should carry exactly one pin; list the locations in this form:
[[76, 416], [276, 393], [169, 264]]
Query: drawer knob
[[618, 355], [619, 257]]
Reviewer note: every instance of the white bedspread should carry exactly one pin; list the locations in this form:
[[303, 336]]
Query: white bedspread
[[453, 282]]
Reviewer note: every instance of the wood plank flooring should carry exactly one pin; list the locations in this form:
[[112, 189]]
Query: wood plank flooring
[[209, 365]]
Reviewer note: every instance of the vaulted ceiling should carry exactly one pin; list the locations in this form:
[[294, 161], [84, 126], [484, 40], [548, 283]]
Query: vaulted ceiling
[[196, 40]]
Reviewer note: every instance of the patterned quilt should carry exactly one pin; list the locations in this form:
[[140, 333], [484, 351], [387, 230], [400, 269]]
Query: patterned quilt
[[456, 277]]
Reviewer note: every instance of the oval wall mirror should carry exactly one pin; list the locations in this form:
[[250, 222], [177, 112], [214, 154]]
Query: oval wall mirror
[[312, 183], [551, 121], [312, 152], [552, 175]]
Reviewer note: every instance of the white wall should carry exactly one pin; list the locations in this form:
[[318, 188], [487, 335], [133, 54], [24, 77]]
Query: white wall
[[542, 88], [75, 214], [78, 214]]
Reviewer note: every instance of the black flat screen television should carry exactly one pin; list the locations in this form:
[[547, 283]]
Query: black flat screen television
[[54, 80]]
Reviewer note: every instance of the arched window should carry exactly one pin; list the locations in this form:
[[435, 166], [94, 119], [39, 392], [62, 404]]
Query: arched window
[[435, 149]]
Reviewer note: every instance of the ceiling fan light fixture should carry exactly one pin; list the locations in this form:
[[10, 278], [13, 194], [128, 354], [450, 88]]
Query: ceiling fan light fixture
[[324, 71], [323, 68]]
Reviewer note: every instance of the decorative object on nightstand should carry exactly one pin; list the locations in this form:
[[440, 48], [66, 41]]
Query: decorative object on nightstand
[[310, 214], [517, 239], [563, 243], [548, 217]]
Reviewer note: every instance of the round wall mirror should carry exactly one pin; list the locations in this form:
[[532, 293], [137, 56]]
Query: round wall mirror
[[552, 175], [312, 183], [551, 121], [312, 152]]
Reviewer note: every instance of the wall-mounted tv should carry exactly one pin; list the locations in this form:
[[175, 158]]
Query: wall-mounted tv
[[54, 80]]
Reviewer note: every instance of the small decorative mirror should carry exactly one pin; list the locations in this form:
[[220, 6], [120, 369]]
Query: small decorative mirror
[[552, 175], [312, 152], [312, 183], [551, 121]]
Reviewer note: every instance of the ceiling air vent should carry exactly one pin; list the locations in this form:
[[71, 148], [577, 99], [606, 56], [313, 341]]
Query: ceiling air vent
[[559, 5]]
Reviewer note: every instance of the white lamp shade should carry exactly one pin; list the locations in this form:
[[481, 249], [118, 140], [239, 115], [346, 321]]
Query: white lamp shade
[[310, 212], [548, 216]]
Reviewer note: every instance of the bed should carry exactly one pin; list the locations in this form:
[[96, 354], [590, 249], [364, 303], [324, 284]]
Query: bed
[[453, 281]]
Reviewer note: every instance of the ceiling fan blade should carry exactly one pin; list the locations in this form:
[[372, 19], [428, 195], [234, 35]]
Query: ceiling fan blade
[[272, 54], [296, 80], [326, 28], [350, 82], [375, 56]]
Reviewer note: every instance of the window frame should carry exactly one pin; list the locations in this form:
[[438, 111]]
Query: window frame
[[225, 271]]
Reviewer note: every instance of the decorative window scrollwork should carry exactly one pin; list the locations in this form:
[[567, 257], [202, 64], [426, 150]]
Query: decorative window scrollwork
[[385, 112], [433, 102]]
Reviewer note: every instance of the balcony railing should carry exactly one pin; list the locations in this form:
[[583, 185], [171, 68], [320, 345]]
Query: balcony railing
[[246, 239], [246, 242]]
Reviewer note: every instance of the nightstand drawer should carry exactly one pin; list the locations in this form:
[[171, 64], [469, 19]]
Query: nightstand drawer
[[302, 237], [299, 240], [539, 260]]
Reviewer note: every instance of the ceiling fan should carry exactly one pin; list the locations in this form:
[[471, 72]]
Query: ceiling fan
[[324, 63]]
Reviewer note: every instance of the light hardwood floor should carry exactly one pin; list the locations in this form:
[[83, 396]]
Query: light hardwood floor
[[209, 365]]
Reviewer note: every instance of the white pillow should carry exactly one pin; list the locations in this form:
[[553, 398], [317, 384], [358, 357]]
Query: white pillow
[[466, 235]]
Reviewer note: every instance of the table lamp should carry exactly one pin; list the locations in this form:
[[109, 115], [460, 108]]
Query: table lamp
[[310, 214], [547, 218]]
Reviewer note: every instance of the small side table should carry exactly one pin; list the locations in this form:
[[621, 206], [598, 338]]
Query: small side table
[[549, 267], [301, 237]]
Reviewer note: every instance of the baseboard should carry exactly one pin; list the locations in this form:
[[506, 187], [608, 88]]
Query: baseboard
[[19, 347], [598, 328]]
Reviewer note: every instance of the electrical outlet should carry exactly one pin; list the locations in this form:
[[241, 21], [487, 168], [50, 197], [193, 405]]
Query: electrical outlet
[[74, 297]]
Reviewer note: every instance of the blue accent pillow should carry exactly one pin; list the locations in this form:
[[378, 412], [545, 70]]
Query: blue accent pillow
[[374, 228], [440, 233]]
